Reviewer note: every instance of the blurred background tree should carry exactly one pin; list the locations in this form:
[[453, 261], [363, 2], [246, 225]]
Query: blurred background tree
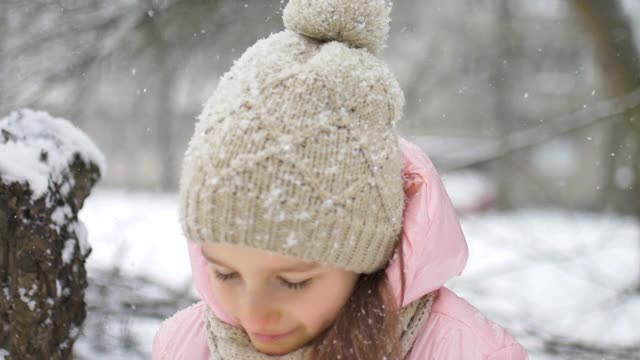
[[616, 52], [538, 95]]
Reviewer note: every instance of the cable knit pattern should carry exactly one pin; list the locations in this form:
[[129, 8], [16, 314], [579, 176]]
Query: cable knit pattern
[[230, 343], [296, 151]]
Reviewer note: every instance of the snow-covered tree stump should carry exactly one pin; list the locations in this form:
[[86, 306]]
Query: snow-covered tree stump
[[47, 169]]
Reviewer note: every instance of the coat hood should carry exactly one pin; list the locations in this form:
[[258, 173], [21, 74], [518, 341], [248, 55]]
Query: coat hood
[[434, 247]]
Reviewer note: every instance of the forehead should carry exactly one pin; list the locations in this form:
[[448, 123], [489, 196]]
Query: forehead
[[242, 256]]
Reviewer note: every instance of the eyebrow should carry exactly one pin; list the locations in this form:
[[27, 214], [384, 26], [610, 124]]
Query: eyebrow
[[291, 268]]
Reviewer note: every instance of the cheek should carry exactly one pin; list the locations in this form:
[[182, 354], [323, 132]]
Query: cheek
[[224, 294], [320, 305]]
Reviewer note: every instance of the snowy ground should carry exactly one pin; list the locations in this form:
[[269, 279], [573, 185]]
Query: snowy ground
[[564, 283]]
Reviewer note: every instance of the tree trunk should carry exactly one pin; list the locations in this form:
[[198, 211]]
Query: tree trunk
[[615, 50], [42, 250], [500, 82]]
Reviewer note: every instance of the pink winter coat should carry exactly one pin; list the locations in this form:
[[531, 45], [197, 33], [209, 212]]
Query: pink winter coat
[[435, 250]]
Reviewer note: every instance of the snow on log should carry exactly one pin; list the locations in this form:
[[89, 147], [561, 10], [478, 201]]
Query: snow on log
[[47, 169]]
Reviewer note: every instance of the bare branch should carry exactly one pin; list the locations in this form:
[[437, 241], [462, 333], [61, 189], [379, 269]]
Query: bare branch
[[525, 139]]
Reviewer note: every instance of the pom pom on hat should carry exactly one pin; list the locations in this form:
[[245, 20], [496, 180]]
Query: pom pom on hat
[[360, 23]]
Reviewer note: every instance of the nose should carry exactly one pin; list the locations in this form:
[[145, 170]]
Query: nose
[[260, 312]]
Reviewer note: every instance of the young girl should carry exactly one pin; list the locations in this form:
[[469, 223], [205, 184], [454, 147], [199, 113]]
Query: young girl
[[302, 205]]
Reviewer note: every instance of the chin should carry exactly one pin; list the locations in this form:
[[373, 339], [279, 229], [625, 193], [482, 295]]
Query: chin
[[273, 352], [274, 349]]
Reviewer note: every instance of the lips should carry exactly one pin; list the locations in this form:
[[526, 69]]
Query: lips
[[272, 337]]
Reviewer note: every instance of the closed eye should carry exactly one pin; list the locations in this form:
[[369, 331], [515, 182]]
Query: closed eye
[[291, 285], [295, 286], [224, 277]]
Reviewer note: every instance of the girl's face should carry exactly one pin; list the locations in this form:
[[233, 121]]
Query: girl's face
[[281, 302]]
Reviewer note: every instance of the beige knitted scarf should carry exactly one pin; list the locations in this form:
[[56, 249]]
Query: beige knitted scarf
[[230, 343]]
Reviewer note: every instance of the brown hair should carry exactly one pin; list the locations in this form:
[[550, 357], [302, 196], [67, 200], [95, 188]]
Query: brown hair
[[368, 326]]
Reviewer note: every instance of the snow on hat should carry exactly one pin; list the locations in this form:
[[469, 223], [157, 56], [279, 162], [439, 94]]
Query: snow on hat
[[296, 150]]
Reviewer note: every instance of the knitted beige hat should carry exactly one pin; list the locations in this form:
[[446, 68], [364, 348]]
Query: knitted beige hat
[[296, 150]]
